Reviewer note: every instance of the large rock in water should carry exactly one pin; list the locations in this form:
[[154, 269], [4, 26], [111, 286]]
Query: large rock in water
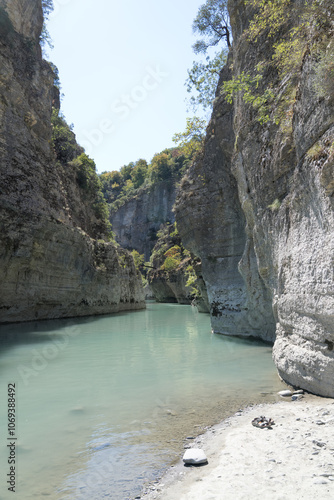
[[257, 208], [51, 264]]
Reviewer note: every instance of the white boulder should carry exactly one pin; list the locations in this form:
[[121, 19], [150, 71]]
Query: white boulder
[[194, 456]]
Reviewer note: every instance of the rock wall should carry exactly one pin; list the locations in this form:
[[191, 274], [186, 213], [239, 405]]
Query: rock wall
[[212, 225], [136, 223], [257, 208], [50, 266]]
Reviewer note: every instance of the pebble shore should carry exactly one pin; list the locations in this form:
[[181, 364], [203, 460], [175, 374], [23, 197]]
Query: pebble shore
[[292, 460]]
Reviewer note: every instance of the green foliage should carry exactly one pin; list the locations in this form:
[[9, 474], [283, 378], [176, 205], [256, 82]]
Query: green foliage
[[317, 151], [203, 80], [120, 186], [87, 177], [174, 233], [139, 173], [126, 171], [192, 139], [269, 18], [138, 259], [100, 208], [90, 183], [295, 29], [64, 142], [161, 167], [192, 281], [275, 205], [247, 85], [56, 80], [212, 25], [172, 260], [45, 39]]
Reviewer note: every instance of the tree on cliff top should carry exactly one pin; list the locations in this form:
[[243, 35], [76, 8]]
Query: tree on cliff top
[[213, 27], [45, 38], [212, 24]]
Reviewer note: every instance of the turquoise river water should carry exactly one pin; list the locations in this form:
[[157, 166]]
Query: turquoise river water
[[104, 404]]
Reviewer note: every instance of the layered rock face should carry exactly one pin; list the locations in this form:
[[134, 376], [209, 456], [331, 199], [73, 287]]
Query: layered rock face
[[257, 208], [212, 225], [50, 266], [136, 223]]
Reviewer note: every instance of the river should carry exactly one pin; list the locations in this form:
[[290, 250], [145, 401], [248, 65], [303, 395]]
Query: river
[[104, 404]]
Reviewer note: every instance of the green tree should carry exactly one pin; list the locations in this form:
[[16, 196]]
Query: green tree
[[87, 177], [45, 39], [203, 80], [139, 173], [192, 139], [161, 167], [173, 259], [212, 25], [126, 171], [63, 138], [138, 259], [90, 183]]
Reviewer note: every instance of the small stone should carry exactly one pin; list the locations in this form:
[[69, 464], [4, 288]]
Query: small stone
[[190, 437], [195, 456], [285, 393], [300, 391], [320, 480], [320, 422], [318, 443], [296, 397]]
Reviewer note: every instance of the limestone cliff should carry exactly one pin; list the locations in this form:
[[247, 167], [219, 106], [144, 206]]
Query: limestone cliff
[[51, 265], [136, 223], [257, 208]]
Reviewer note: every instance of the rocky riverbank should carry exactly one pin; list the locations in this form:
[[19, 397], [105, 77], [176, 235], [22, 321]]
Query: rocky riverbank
[[293, 459]]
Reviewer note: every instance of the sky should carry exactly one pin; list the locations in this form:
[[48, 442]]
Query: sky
[[123, 67]]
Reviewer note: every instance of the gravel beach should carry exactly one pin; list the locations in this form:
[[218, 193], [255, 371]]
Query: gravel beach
[[292, 460]]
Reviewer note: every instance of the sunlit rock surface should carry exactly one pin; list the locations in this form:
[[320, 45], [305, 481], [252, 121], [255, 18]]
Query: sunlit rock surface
[[257, 208]]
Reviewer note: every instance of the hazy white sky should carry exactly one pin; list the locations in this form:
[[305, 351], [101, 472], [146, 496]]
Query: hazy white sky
[[122, 68]]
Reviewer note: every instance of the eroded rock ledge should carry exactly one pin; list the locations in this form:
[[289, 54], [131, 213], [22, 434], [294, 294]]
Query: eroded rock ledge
[[51, 265]]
